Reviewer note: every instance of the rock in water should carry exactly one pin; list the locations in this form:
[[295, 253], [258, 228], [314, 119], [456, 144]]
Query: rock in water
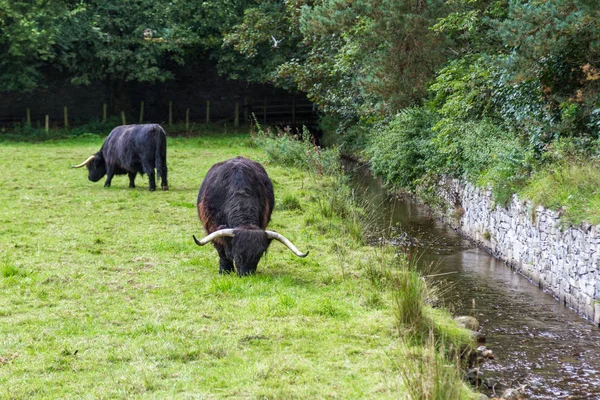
[[467, 322]]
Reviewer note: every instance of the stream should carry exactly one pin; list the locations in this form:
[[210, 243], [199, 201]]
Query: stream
[[539, 344]]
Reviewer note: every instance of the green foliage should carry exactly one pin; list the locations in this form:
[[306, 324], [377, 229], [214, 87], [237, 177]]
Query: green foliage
[[527, 77], [104, 41], [27, 38], [368, 58], [536, 68], [508, 174], [353, 58], [101, 40], [263, 39], [470, 149], [350, 139], [414, 149], [461, 89], [400, 152]]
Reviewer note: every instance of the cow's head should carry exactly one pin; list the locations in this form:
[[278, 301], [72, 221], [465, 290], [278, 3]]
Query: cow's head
[[246, 246], [96, 167]]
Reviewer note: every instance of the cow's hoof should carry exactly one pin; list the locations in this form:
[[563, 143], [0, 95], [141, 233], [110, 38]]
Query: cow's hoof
[[152, 189], [164, 187]]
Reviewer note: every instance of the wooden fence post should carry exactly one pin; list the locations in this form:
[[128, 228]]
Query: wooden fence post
[[66, 115], [47, 124], [187, 120], [104, 112], [236, 118], [207, 111], [170, 113], [141, 111], [123, 118], [294, 109], [28, 117]]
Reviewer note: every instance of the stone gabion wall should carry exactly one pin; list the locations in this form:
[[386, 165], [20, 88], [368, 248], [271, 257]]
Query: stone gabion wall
[[562, 260]]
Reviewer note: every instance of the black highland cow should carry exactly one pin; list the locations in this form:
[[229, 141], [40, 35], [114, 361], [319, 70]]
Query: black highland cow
[[234, 204], [131, 149]]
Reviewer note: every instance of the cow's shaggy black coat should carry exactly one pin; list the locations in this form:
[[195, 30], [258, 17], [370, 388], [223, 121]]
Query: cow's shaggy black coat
[[237, 194], [132, 149]]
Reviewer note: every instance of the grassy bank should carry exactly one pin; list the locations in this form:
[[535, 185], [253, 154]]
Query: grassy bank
[[105, 295]]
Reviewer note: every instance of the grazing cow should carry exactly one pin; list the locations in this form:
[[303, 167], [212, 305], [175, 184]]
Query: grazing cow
[[235, 202], [131, 149]]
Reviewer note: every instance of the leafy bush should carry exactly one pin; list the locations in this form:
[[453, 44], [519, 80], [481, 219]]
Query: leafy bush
[[474, 148], [351, 139], [400, 152], [418, 146]]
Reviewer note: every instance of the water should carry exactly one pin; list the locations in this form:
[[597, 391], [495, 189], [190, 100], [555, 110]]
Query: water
[[538, 343]]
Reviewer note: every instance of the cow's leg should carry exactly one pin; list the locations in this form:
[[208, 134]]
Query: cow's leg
[[131, 179], [225, 264], [243, 271], [163, 178], [151, 182], [110, 172], [149, 169]]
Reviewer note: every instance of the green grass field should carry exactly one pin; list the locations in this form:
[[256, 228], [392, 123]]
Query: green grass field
[[103, 293]]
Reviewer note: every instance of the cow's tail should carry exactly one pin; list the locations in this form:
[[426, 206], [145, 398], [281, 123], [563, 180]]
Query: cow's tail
[[161, 156]]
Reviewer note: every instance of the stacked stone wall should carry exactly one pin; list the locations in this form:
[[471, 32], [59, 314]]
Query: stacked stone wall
[[562, 260]]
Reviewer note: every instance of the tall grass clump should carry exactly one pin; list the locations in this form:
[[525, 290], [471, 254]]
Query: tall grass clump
[[411, 292], [297, 149], [427, 374], [432, 349], [572, 186], [410, 297]]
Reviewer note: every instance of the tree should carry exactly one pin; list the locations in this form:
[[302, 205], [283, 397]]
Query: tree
[[27, 37], [353, 58], [535, 64], [265, 38]]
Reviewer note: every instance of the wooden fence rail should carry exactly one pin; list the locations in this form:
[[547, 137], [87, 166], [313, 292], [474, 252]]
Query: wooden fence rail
[[237, 111]]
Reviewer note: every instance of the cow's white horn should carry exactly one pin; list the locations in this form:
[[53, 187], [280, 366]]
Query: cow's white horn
[[214, 235], [282, 239], [86, 162]]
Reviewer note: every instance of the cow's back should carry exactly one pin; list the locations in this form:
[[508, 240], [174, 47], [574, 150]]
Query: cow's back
[[127, 145], [236, 193]]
